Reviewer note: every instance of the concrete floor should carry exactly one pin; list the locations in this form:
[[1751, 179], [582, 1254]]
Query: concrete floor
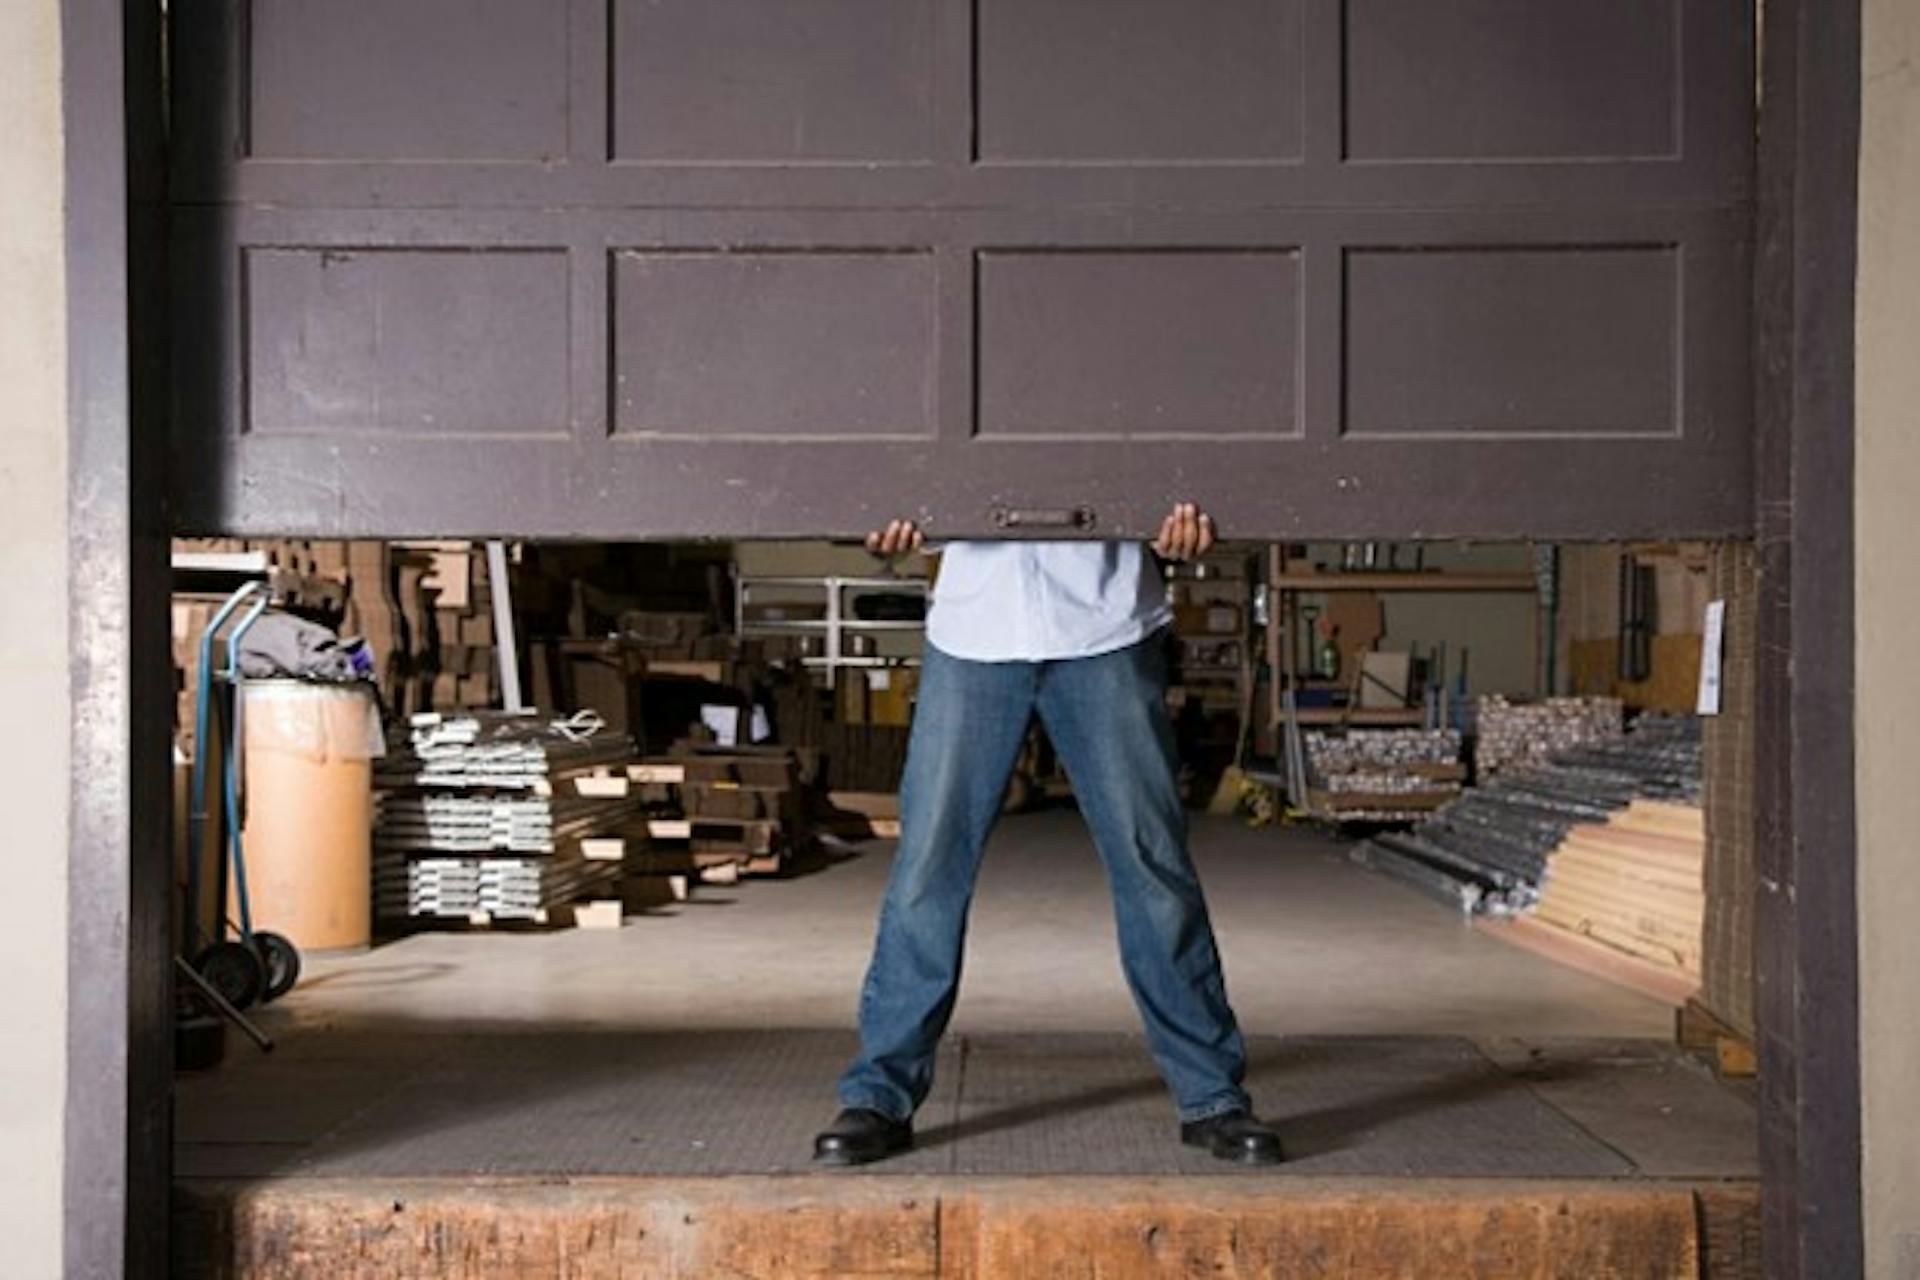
[[490, 1097], [1312, 946]]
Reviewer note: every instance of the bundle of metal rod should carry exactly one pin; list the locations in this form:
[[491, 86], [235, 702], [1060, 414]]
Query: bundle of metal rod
[[1379, 750], [1442, 883], [1488, 851], [1384, 782], [492, 813], [505, 888], [455, 823], [1512, 735], [1380, 775], [499, 749]]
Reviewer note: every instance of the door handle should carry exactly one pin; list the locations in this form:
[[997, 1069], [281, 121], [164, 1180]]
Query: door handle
[[1075, 518]]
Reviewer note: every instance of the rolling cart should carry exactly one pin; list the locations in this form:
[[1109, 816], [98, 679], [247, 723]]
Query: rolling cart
[[248, 966]]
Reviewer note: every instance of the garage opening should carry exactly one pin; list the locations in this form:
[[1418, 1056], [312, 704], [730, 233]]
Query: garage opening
[[1468, 816], [591, 273]]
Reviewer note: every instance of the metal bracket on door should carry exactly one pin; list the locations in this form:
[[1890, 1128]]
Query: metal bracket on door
[[1067, 519]]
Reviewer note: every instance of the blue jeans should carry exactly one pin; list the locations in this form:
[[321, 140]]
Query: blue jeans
[[1107, 718]]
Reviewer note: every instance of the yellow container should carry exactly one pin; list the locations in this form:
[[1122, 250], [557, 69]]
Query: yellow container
[[308, 821]]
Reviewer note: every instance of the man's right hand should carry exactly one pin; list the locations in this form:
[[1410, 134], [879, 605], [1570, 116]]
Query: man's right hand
[[897, 539]]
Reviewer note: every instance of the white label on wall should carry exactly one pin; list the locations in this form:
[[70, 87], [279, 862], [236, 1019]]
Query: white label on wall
[[1710, 645], [725, 723]]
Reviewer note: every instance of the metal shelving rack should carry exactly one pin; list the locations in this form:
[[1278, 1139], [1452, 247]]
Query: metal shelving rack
[[839, 622], [1284, 590], [1283, 621]]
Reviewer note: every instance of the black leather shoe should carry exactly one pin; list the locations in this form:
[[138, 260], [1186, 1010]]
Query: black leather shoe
[[860, 1136], [1235, 1136]]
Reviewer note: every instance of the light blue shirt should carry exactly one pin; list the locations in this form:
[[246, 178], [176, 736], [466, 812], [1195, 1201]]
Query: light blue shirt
[[1043, 601]]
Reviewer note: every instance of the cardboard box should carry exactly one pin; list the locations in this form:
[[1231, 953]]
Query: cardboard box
[[1207, 619]]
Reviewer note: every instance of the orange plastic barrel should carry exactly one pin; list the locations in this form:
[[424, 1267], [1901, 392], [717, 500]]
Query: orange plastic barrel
[[308, 821]]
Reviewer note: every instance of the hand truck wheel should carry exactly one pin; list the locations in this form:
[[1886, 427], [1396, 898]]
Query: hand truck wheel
[[235, 970], [280, 961]]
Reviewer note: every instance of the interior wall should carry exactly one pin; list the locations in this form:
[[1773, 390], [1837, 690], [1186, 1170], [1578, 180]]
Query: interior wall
[[33, 637], [1587, 635], [1496, 628], [1496, 631], [1886, 620]]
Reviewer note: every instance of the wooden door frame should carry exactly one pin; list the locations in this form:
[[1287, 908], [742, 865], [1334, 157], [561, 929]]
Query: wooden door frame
[[1806, 925], [119, 1033], [118, 1159]]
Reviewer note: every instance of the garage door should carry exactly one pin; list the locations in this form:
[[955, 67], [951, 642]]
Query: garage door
[[636, 268]]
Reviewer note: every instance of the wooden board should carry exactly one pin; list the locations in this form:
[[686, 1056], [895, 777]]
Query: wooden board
[[1634, 880], [1698, 1028], [1669, 986], [1008, 1228], [1633, 943], [1653, 920], [604, 913]]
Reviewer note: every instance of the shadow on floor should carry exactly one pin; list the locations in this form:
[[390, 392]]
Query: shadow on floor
[[388, 1100]]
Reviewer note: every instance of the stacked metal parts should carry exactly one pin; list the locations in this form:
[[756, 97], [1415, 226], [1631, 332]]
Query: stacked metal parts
[[1489, 851], [1511, 734], [1382, 775], [491, 815]]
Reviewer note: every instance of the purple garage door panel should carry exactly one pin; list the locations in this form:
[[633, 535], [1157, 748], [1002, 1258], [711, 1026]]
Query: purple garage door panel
[[1432, 80], [778, 345], [1589, 339], [655, 268], [1139, 80], [772, 81], [406, 342], [423, 80], [1112, 345]]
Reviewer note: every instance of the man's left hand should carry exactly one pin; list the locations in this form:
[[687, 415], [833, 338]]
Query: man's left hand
[[1186, 533]]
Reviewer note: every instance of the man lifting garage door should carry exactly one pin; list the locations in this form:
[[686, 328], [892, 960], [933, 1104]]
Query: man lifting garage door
[[1072, 632]]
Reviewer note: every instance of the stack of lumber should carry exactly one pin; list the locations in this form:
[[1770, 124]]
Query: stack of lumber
[[1512, 735], [1630, 888], [1382, 775], [497, 749], [743, 808], [491, 816], [482, 890]]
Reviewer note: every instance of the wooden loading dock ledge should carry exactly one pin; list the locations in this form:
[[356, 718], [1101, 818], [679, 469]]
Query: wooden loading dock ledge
[[848, 1227]]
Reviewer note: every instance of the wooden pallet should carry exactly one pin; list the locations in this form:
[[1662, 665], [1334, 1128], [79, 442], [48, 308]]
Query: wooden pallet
[[1732, 1054], [681, 862], [747, 837], [559, 916]]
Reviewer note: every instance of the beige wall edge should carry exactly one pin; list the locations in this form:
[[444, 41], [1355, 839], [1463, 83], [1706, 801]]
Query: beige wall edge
[[33, 635], [1887, 618]]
